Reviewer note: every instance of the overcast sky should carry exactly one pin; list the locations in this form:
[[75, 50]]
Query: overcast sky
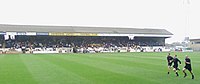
[[177, 16]]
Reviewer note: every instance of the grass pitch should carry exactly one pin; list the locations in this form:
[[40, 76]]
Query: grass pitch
[[101, 68]]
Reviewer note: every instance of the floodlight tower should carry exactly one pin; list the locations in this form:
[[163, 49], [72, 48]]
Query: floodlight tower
[[186, 4]]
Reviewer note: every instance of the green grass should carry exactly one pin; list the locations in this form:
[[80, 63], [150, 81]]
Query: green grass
[[101, 68]]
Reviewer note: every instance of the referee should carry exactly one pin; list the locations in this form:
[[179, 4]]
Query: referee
[[176, 61], [188, 67], [169, 61]]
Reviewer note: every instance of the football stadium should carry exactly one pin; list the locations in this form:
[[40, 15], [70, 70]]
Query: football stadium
[[34, 54]]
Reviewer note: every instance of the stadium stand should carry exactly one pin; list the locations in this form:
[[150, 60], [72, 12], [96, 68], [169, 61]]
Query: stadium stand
[[65, 39]]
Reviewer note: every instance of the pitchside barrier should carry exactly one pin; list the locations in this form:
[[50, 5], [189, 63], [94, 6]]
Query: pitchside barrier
[[81, 50]]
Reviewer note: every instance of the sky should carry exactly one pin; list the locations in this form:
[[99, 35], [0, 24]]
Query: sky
[[180, 17]]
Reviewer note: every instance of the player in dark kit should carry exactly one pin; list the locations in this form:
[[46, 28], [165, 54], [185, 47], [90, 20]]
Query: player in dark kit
[[169, 61], [176, 60], [188, 66]]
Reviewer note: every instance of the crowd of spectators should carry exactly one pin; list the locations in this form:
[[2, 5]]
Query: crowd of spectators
[[75, 41]]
